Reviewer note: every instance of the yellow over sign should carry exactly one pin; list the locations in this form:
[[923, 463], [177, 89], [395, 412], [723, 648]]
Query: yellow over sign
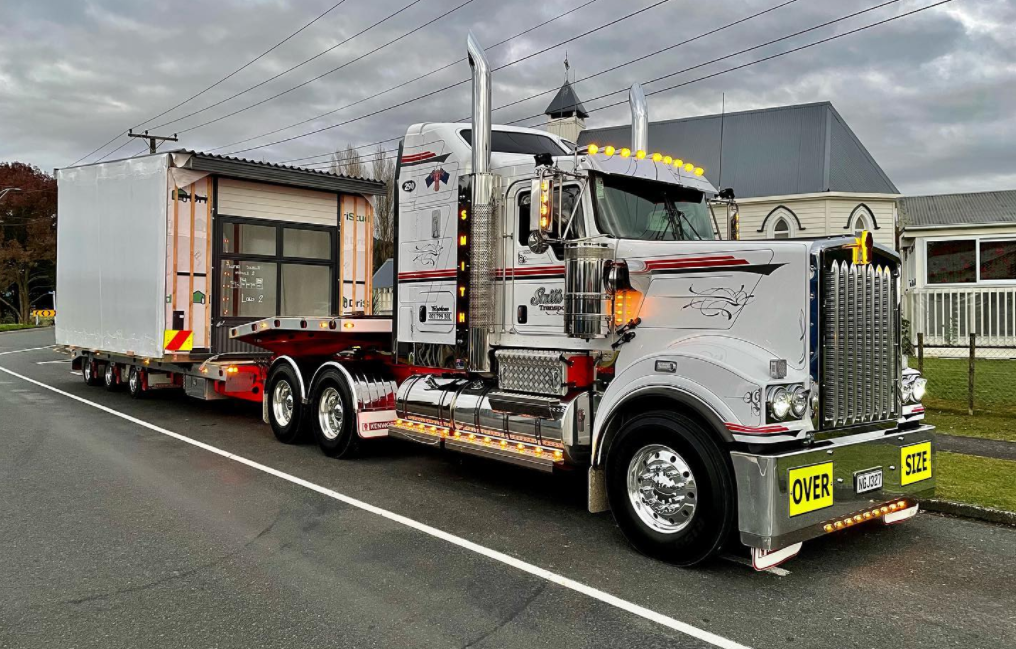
[[915, 463], [811, 488]]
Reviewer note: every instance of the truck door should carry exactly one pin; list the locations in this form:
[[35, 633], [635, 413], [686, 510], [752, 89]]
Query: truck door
[[536, 280]]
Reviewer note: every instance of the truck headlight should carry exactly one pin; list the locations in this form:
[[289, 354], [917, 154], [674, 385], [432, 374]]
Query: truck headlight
[[799, 401], [920, 386], [780, 404]]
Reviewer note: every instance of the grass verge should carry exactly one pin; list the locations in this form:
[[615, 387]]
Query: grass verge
[[980, 481], [16, 327], [994, 398]]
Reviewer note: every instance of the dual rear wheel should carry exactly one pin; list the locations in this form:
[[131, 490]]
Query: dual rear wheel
[[328, 416]]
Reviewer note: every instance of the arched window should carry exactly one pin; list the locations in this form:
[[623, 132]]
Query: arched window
[[860, 219], [781, 229], [861, 223]]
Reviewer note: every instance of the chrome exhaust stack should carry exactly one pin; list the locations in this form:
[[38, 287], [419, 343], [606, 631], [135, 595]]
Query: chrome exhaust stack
[[483, 215], [639, 119]]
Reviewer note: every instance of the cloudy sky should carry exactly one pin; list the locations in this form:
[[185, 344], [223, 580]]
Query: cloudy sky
[[932, 96]]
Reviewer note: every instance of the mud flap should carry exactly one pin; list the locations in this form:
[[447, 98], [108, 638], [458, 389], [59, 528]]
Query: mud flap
[[597, 498], [765, 559]]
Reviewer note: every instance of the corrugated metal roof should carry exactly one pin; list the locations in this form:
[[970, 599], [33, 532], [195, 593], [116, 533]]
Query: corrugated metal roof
[[279, 173], [566, 102], [980, 208], [800, 149]]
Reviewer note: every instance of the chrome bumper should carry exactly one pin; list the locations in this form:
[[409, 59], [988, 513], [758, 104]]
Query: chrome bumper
[[763, 484]]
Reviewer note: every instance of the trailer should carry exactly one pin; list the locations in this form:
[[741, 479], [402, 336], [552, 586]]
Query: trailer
[[553, 307]]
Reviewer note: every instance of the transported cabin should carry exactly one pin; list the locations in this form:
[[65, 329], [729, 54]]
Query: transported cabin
[[160, 255]]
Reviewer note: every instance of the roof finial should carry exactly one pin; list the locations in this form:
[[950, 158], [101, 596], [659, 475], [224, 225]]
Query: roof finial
[[566, 66]]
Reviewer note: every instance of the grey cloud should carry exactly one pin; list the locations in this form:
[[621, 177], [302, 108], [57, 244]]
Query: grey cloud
[[931, 96]]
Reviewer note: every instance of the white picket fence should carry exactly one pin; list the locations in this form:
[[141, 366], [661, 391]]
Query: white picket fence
[[947, 316]]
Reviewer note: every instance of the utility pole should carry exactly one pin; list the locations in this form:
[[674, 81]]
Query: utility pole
[[152, 139]]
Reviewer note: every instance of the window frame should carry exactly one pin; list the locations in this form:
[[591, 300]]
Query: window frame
[[781, 214], [279, 259], [977, 239], [780, 218]]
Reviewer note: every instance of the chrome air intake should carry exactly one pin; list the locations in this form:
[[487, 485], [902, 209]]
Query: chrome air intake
[[483, 215], [586, 302], [639, 119]]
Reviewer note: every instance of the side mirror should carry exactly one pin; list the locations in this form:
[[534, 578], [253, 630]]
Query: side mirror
[[537, 242]]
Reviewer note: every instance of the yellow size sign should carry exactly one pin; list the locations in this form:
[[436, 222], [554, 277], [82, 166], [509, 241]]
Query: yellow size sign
[[915, 463], [811, 488], [43, 313]]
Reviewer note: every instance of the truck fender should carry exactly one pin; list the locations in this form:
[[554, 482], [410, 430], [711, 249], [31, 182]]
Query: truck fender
[[296, 369], [373, 397], [605, 425]]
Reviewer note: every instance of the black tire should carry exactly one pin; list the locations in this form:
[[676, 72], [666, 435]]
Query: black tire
[[90, 372], [136, 382], [705, 493], [292, 431], [331, 397], [111, 377]]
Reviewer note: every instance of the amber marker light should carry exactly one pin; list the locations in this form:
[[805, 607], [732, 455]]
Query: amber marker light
[[667, 160], [625, 152], [608, 151], [699, 171], [689, 167], [558, 455], [657, 157], [592, 149], [348, 325], [828, 528], [640, 154], [678, 163]]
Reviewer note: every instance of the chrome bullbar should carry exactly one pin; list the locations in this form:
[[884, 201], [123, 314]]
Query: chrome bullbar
[[785, 498]]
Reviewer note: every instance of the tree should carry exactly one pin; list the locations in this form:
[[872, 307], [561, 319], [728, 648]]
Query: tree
[[383, 169], [27, 237], [348, 163]]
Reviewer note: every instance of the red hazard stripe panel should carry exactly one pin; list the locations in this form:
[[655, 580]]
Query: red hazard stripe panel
[[178, 340], [756, 430]]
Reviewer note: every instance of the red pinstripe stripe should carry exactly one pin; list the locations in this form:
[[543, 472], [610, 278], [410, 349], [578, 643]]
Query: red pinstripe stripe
[[756, 430]]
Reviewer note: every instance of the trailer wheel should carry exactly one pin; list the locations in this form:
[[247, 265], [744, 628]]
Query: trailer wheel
[[670, 488], [285, 407], [334, 418], [90, 372], [111, 377], [136, 383]]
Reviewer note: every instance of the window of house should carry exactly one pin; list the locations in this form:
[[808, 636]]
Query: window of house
[[997, 260], [276, 269], [782, 229], [952, 262]]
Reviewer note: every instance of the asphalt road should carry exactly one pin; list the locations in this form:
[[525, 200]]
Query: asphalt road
[[113, 534]]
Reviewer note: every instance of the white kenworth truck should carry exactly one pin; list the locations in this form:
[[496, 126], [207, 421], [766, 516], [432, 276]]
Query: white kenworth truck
[[574, 307]]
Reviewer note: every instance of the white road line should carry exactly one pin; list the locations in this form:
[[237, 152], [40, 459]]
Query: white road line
[[571, 584], [30, 349]]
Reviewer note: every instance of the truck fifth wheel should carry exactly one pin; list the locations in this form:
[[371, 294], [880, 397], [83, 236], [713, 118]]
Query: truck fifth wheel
[[561, 306]]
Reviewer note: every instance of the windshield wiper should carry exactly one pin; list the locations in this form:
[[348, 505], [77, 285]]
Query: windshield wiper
[[673, 213]]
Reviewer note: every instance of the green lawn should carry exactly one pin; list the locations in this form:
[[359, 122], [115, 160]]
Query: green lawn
[[994, 397], [980, 481], [15, 327]]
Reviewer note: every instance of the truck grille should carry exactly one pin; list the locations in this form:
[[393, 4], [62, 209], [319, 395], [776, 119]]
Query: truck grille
[[860, 350]]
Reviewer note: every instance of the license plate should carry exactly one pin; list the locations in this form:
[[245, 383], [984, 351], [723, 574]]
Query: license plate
[[811, 488], [915, 463], [867, 480]]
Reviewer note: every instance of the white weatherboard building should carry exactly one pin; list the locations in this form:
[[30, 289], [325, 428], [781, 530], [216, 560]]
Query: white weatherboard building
[[797, 171], [959, 255]]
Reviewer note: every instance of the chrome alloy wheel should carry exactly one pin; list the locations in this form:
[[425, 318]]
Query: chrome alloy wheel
[[330, 413], [110, 374], [87, 370], [282, 402], [135, 380], [661, 488]]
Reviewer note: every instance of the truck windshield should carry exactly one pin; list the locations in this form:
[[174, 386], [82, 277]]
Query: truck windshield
[[634, 208]]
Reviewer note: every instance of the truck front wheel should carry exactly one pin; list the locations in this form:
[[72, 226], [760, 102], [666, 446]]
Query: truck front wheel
[[285, 406], [334, 417], [670, 488]]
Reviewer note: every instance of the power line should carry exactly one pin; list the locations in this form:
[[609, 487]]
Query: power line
[[770, 57], [459, 83], [225, 78], [724, 57], [611, 69], [287, 71], [403, 84]]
